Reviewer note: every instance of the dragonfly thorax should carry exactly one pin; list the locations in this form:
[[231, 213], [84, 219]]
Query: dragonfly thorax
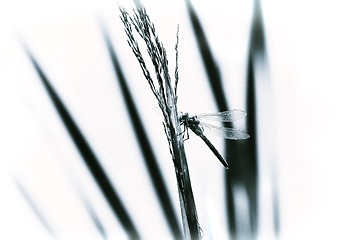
[[191, 122]]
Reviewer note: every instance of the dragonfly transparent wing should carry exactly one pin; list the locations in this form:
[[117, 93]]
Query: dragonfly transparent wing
[[227, 133], [226, 116]]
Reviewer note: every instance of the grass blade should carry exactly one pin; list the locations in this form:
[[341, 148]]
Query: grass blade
[[94, 217], [259, 103], [34, 207], [145, 146], [250, 148], [88, 155], [209, 63], [99, 226]]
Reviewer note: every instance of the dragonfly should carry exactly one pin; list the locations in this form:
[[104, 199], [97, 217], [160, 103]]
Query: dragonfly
[[196, 124]]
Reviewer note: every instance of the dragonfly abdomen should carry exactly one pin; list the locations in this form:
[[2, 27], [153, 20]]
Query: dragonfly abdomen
[[214, 150], [196, 129]]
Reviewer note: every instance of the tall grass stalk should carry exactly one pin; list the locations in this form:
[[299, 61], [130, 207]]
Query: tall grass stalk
[[165, 92]]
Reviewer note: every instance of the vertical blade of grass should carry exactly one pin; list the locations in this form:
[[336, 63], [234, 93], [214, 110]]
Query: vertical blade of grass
[[34, 207], [89, 157], [259, 102], [257, 41], [250, 148], [145, 146]]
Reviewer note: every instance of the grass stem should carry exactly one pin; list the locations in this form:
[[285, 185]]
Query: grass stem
[[165, 93]]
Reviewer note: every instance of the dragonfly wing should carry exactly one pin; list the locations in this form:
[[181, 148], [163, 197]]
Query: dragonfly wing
[[226, 116], [227, 133]]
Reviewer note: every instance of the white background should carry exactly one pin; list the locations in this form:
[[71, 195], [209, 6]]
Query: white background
[[314, 56]]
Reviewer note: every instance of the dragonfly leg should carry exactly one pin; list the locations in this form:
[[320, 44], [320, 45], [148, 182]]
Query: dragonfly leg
[[187, 134], [184, 133]]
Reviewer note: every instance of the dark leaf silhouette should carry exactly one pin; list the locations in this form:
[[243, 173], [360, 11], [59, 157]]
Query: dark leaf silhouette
[[256, 74], [209, 62], [88, 155]]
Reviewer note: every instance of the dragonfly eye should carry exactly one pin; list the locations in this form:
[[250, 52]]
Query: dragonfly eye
[[182, 117]]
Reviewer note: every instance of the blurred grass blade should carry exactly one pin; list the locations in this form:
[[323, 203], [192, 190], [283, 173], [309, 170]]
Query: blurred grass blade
[[259, 107], [94, 217], [209, 63], [88, 156], [34, 207], [99, 226], [250, 148], [145, 147], [88, 207]]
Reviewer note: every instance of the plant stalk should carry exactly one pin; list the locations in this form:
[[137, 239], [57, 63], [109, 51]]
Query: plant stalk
[[188, 207], [165, 93]]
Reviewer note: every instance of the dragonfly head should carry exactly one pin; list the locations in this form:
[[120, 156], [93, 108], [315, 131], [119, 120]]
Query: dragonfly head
[[183, 118], [187, 120]]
